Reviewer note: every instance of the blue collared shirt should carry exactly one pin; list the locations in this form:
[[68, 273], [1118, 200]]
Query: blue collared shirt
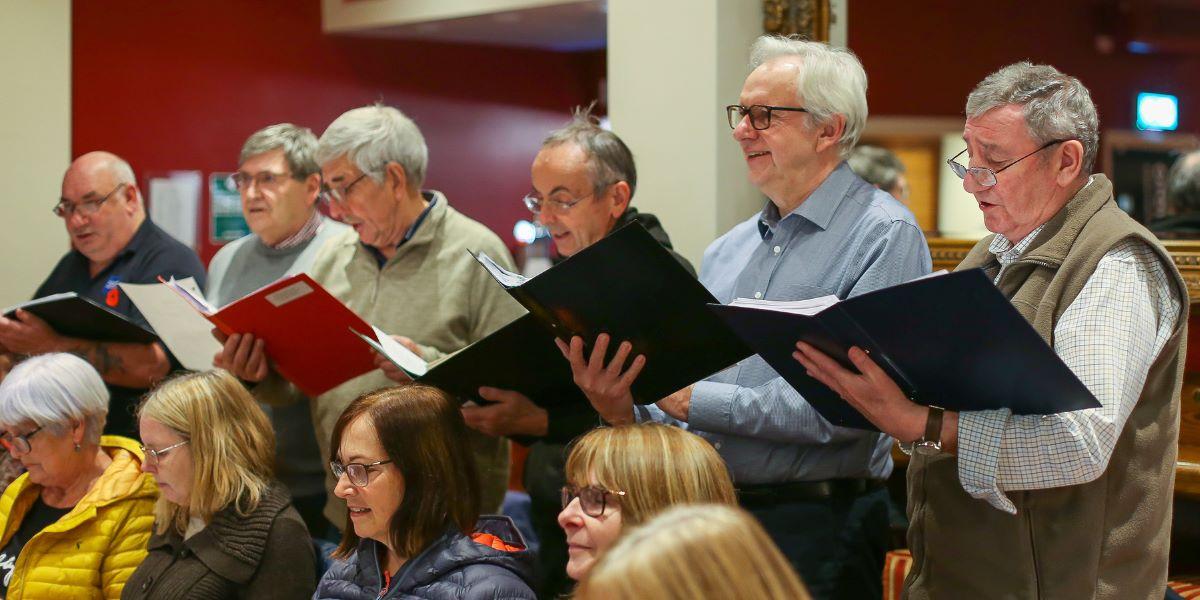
[[847, 238]]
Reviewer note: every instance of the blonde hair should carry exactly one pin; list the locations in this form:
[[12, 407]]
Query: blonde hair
[[709, 551], [230, 440], [655, 465]]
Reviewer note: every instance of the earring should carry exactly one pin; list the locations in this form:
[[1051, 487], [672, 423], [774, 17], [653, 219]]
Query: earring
[[77, 447]]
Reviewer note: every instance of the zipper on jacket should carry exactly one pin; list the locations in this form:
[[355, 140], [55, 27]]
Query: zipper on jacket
[[1037, 575]]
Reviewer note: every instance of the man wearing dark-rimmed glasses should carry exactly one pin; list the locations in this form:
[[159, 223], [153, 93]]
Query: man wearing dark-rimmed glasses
[[1071, 505], [112, 242]]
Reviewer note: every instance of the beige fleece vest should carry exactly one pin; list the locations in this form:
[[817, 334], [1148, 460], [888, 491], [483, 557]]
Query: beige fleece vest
[[1107, 538]]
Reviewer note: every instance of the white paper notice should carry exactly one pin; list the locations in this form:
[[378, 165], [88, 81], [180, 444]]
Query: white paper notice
[[187, 334], [175, 204]]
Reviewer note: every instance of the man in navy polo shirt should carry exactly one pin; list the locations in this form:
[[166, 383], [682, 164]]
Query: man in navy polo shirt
[[112, 242]]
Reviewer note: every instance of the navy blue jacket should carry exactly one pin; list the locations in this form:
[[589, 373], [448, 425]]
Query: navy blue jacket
[[453, 567]]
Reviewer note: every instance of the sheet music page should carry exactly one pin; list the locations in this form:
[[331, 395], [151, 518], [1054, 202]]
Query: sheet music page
[[186, 333], [506, 278], [808, 307], [394, 351]]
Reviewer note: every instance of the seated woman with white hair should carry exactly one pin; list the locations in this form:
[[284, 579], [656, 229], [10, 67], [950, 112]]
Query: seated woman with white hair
[[75, 525]]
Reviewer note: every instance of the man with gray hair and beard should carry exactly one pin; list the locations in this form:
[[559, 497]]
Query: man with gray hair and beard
[[1071, 505], [404, 266], [817, 488]]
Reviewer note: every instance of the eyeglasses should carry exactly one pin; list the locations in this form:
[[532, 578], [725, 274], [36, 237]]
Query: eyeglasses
[[537, 204], [760, 114], [18, 444], [154, 456], [65, 208], [983, 176], [356, 472], [265, 179], [592, 499], [330, 195]]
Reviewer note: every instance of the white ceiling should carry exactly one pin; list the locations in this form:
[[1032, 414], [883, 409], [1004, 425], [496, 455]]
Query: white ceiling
[[564, 27]]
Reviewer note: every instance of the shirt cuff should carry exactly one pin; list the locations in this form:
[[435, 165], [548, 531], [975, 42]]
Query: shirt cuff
[[980, 434], [711, 406]]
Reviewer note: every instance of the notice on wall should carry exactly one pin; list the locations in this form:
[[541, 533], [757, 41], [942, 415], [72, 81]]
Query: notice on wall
[[175, 204], [225, 208]]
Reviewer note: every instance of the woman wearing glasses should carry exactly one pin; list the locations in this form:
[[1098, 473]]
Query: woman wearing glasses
[[405, 469], [75, 524], [618, 477], [224, 528]]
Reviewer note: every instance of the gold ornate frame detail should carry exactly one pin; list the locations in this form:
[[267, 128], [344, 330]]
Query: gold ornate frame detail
[[807, 18]]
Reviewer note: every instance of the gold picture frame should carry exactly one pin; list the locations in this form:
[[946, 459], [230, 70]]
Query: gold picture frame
[[809, 19]]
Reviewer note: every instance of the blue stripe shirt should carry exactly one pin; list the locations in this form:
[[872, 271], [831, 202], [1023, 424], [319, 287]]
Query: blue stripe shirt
[[847, 238]]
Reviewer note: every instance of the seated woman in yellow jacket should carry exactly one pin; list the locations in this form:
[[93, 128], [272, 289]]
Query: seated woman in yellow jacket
[[75, 525]]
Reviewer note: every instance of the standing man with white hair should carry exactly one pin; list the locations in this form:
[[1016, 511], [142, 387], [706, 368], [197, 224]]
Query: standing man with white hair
[[403, 267], [279, 182], [1071, 505], [817, 489], [112, 242]]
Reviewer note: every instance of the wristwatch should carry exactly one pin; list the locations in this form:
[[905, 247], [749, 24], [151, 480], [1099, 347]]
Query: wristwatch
[[931, 442]]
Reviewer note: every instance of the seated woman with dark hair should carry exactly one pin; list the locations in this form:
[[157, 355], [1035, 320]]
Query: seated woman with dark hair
[[618, 477], [406, 472], [225, 528], [75, 525]]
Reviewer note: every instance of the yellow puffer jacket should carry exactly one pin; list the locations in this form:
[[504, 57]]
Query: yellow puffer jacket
[[93, 549]]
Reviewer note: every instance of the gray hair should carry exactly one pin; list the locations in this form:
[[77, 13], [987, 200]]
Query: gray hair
[[52, 391], [299, 147], [609, 159], [373, 136], [1056, 106], [1183, 182], [831, 82], [879, 166]]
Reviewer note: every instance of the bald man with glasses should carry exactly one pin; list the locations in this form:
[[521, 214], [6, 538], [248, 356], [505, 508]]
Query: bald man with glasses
[[112, 242]]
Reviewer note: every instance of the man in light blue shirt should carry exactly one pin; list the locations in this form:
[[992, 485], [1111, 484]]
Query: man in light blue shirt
[[816, 488]]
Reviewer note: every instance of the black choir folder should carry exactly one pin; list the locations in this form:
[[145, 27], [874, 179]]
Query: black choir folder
[[948, 340], [626, 285], [80, 317]]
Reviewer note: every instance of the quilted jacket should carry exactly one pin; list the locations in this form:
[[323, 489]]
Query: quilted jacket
[[91, 551]]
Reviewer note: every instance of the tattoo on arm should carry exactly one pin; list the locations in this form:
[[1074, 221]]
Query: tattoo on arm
[[106, 361]]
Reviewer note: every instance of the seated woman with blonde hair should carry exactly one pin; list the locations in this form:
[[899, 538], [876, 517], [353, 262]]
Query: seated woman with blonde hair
[[704, 551], [404, 466], [619, 477], [75, 525], [225, 527]]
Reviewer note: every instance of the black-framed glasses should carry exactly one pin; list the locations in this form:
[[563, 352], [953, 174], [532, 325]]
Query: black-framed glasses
[[358, 473], [65, 208], [760, 114], [265, 179], [155, 456], [592, 499], [983, 176], [18, 444], [330, 194]]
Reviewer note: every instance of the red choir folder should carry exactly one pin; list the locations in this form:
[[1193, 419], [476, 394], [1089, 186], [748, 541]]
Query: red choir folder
[[310, 335]]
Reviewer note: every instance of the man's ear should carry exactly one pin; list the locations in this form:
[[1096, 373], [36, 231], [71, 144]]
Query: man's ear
[[312, 189], [395, 175], [621, 194], [130, 198], [829, 133], [1068, 163]]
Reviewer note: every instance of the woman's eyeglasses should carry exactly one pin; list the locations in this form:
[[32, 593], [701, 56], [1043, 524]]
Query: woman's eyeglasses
[[592, 499]]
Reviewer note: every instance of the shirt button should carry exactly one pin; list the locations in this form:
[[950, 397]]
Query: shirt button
[[717, 445], [778, 249], [758, 295]]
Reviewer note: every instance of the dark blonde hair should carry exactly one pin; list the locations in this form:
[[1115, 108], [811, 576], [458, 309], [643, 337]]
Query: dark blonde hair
[[708, 551], [423, 434], [655, 465], [230, 440]]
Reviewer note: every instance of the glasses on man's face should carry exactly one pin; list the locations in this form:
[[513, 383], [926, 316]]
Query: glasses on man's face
[[265, 179], [65, 208], [155, 456], [760, 114], [358, 473], [331, 194], [592, 499], [18, 444], [983, 176], [559, 204]]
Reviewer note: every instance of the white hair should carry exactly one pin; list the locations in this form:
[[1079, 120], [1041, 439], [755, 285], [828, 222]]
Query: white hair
[[53, 391], [373, 136], [1056, 106], [831, 82]]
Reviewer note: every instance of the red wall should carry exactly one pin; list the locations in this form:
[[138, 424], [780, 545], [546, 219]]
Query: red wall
[[181, 84], [923, 58]]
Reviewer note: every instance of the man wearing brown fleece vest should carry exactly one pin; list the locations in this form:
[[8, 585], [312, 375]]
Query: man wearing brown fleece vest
[[1073, 505]]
